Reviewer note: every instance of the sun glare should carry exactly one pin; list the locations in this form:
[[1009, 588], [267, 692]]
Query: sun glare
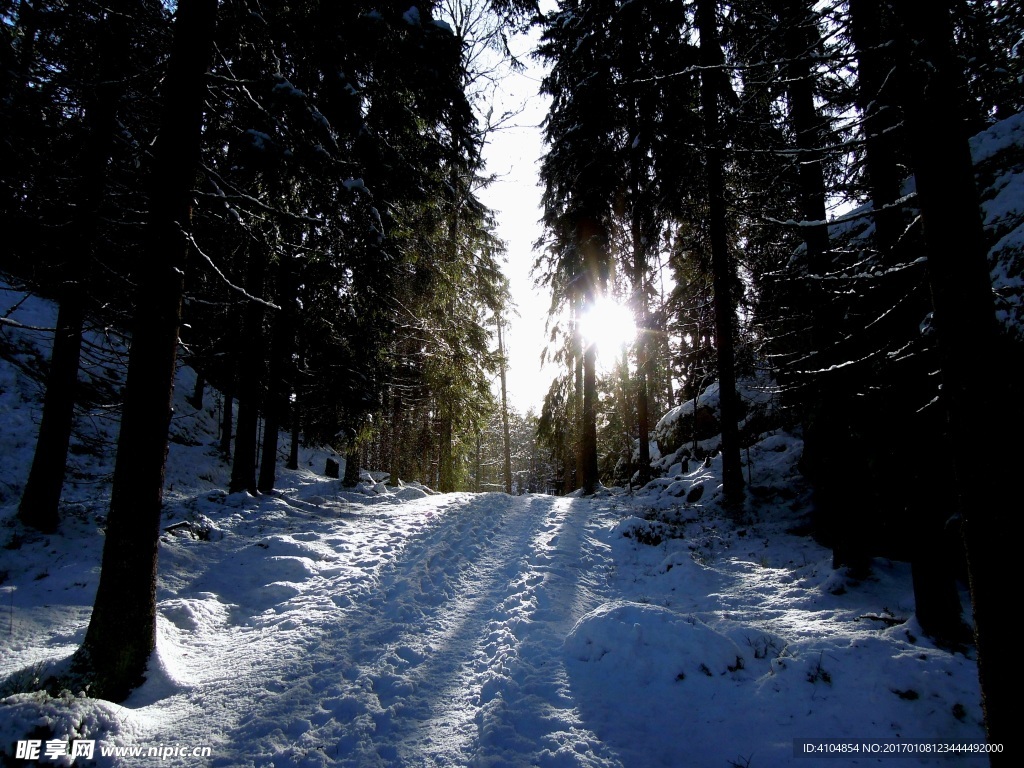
[[610, 325]]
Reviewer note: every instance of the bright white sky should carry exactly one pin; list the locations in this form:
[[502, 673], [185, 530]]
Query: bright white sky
[[514, 155]]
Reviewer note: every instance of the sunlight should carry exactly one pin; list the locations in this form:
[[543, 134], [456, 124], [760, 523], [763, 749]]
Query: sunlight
[[610, 326]]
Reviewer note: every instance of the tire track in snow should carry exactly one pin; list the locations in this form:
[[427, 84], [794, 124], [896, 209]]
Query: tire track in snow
[[528, 714], [297, 571], [455, 658]]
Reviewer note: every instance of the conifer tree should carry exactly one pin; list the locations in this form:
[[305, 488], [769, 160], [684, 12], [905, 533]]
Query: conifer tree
[[964, 317], [723, 270], [122, 629]]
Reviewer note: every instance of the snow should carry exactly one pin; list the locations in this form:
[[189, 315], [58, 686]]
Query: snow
[[412, 16], [355, 185], [393, 626], [1000, 172], [259, 140], [996, 152]]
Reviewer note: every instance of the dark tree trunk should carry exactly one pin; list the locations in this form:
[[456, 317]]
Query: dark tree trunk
[[476, 474], [293, 449], [871, 28], [268, 453], [122, 630], [506, 438], [980, 412], [879, 74], [351, 479], [838, 516], [643, 397], [395, 464], [445, 459], [592, 238], [41, 498], [588, 440], [640, 310], [282, 347], [933, 561], [801, 40], [227, 421], [577, 400], [568, 463], [196, 398], [721, 263], [250, 380]]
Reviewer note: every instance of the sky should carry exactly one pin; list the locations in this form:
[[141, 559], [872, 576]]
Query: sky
[[513, 156], [392, 627]]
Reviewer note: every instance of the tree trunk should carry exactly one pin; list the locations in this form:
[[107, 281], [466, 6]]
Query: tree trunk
[[877, 97], [476, 482], [250, 380], [122, 630], [351, 479], [227, 421], [721, 263], [591, 237], [643, 397], [281, 351], [829, 405], [640, 310], [293, 449], [41, 498], [577, 399], [445, 453], [980, 413], [588, 440], [801, 41], [506, 438], [936, 596], [196, 398]]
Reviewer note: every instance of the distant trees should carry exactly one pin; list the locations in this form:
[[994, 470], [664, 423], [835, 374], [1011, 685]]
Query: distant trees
[[596, 171]]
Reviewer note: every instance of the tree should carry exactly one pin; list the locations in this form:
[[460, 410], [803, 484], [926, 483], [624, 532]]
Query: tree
[[122, 630], [584, 132], [964, 318], [711, 59], [79, 237], [881, 76], [506, 437]]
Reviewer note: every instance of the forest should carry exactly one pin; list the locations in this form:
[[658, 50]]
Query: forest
[[286, 198]]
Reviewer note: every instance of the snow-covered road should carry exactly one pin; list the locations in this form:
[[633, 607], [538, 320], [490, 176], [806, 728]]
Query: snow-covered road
[[427, 633]]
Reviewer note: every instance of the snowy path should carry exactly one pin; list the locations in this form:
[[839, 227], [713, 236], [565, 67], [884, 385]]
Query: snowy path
[[440, 649]]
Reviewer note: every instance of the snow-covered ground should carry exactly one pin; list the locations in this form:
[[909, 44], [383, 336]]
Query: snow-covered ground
[[394, 627]]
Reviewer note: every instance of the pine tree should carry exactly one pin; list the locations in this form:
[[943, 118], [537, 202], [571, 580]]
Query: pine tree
[[723, 271], [79, 236], [122, 629], [964, 317]]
